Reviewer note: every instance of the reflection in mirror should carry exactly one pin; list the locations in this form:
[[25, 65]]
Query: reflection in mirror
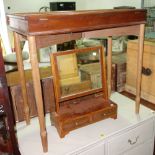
[[79, 72]]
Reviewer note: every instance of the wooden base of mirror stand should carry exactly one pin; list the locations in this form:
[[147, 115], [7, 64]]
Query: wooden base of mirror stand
[[71, 121]]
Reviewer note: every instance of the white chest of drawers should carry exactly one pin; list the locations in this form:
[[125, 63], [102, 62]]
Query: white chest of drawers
[[129, 134], [136, 140]]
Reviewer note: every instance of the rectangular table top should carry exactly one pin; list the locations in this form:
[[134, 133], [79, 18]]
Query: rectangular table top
[[59, 22]]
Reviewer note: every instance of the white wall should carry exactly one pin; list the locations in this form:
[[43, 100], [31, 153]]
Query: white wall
[[24, 5], [3, 29], [29, 6], [34, 6], [109, 4], [149, 3]]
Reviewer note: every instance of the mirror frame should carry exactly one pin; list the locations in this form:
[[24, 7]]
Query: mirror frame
[[56, 76]]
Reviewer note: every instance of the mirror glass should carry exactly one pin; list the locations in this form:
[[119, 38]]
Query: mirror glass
[[79, 71]]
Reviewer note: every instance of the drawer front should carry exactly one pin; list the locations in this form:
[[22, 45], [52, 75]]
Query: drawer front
[[131, 138], [94, 150], [76, 123], [104, 114], [143, 149]]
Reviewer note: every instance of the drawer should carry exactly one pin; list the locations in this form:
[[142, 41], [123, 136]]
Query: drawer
[[131, 138], [75, 123], [103, 114], [98, 149], [143, 149]]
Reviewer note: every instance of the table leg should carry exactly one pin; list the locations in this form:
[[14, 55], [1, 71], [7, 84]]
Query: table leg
[[109, 64], [37, 90], [139, 66], [22, 78]]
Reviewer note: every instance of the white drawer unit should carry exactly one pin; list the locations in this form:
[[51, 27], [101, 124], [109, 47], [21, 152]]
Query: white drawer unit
[[94, 150], [143, 149], [129, 134], [131, 138]]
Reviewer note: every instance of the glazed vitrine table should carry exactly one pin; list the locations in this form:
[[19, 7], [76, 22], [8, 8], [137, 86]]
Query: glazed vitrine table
[[46, 29]]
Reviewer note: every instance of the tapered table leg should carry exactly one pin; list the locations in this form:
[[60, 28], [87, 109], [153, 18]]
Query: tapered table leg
[[109, 64], [139, 66], [37, 90], [22, 77]]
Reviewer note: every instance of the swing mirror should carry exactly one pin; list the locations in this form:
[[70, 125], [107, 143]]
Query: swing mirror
[[78, 72]]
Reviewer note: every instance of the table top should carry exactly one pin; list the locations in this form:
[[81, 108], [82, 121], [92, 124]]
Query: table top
[[58, 22]]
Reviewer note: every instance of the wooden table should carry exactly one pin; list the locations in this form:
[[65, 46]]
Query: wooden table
[[44, 29]]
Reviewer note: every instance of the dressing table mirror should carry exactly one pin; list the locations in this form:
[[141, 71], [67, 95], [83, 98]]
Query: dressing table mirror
[[80, 89]]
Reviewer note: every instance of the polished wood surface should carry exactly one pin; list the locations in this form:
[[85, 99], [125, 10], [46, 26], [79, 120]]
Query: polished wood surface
[[57, 27], [77, 21], [88, 115]]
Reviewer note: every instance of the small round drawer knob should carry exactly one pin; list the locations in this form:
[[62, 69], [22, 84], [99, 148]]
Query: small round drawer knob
[[146, 71]]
